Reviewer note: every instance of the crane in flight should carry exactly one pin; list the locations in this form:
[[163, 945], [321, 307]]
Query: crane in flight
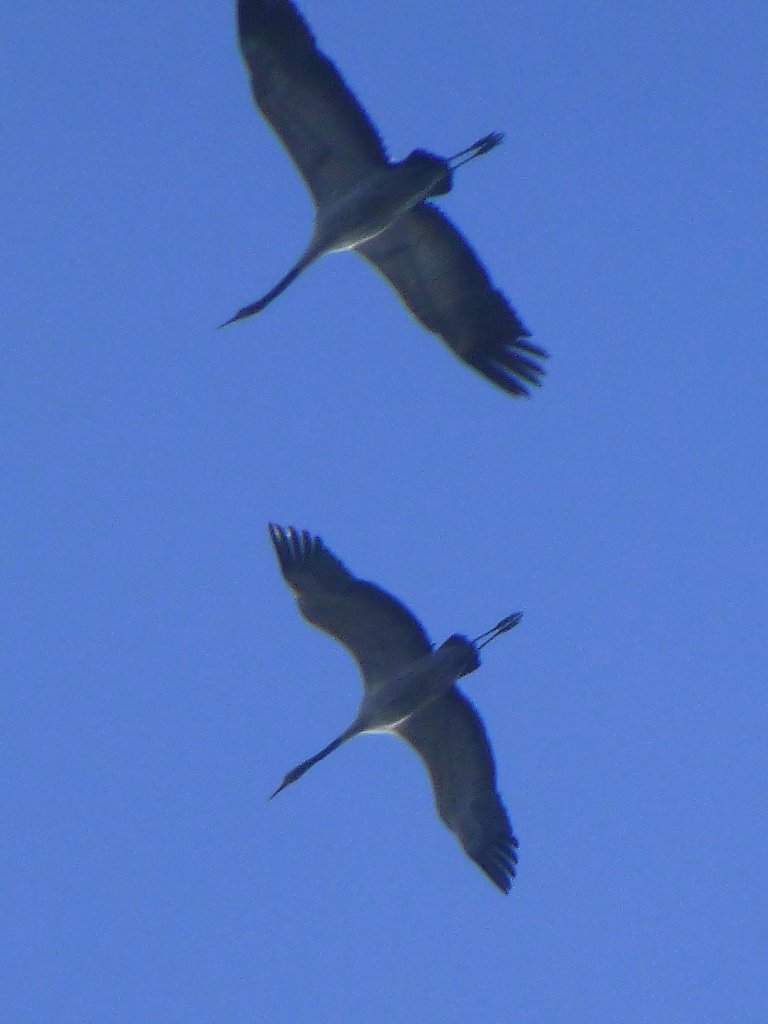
[[409, 690], [363, 201]]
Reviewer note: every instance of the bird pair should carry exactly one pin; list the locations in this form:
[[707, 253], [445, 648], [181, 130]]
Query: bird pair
[[381, 209]]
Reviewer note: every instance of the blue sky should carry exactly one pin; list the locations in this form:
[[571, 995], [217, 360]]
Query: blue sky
[[161, 680]]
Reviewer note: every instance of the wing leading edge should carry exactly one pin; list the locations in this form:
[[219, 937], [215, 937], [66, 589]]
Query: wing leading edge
[[380, 633], [300, 92], [450, 738], [441, 280]]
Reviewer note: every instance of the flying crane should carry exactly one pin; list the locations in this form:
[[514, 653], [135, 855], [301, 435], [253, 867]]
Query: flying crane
[[377, 207], [409, 689]]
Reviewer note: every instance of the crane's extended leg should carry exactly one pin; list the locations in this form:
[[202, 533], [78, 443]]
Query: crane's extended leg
[[479, 148], [501, 627]]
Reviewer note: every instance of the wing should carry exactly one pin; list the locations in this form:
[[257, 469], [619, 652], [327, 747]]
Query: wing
[[449, 737], [444, 284], [304, 98], [380, 633]]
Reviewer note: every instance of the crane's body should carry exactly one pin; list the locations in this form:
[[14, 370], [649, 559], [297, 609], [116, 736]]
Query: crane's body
[[377, 200], [393, 701]]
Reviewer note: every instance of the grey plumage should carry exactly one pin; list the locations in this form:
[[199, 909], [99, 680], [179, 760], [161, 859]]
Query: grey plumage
[[409, 689], [365, 202]]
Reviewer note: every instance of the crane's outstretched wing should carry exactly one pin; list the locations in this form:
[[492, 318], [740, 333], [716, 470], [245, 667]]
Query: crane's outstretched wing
[[449, 737], [443, 283], [327, 133], [378, 631]]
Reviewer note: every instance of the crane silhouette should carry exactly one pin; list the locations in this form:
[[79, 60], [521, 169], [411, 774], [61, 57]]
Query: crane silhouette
[[377, 207], [410, 690]]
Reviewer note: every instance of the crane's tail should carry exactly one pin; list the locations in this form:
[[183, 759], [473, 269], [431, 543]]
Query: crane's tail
[[295, 773], [282, 284]]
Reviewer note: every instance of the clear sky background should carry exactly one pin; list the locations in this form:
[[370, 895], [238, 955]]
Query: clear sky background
[[159, 680]]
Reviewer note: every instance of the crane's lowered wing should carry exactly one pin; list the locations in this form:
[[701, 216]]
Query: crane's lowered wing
[[378, 631], [299, 91], [443, 283], [450, 738]]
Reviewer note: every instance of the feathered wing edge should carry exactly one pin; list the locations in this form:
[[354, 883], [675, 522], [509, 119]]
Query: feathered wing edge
[[450, 738], [383, 636], [443, 283], [305, 100]]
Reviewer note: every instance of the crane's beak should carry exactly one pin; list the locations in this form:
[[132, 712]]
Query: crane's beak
[[479, 148], [501, 627]]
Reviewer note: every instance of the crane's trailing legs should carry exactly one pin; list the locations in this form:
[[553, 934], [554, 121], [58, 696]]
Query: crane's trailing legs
[[479, 148], [501, 627]]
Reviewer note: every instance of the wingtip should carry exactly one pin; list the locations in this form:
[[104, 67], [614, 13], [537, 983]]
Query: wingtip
[[501, 865], [294, 546], [510, 371]]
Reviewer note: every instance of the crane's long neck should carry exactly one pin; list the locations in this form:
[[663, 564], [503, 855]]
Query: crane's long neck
[[256, 307], [295, 773]]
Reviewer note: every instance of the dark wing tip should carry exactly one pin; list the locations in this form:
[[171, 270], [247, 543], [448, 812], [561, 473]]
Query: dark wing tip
[[496, 342], [505, 354], [506, 366], [498, 859], [306, 562], [504, 376], [292, 546]]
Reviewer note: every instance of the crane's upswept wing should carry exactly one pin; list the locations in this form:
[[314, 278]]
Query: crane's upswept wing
[[299, 91], [443, 283], [449, 737], [380, 633]]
